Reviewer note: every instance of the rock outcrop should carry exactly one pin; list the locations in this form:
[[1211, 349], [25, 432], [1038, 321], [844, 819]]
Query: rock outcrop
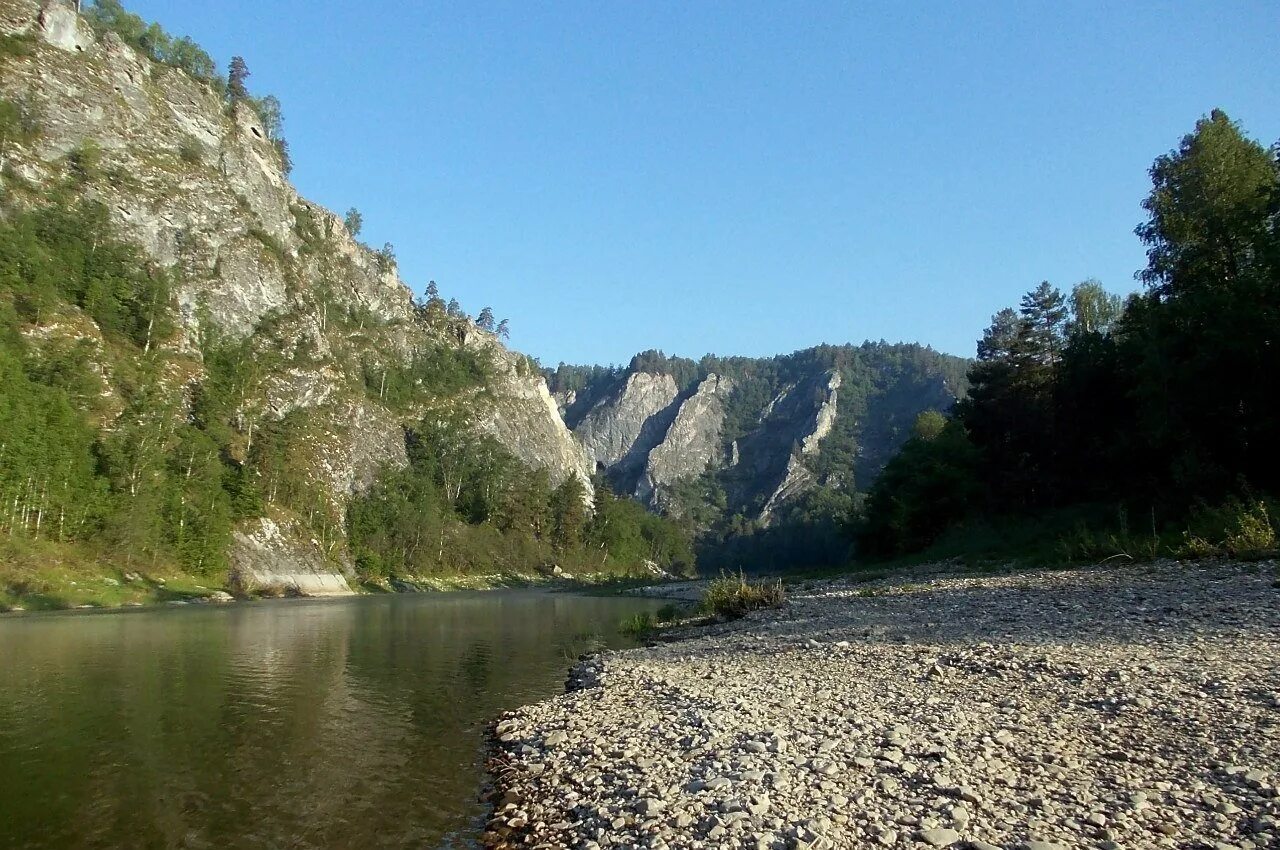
[[794, 426], [691, 445], [767, 433], [283, 561], [199, 186], [620, 430]]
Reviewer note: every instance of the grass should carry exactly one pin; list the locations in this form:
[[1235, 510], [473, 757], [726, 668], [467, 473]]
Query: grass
[[1243, 529], [730, 597], [42, 576], [646, 623]]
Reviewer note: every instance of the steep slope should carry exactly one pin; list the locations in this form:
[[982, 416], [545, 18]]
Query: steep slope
[[333, 356], [761, 433]]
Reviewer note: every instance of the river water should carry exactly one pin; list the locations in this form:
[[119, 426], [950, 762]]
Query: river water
[[289, 724]]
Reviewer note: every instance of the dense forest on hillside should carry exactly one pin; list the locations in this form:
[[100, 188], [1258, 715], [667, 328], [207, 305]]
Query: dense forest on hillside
[[1141, 427], [132, 447], [97, 450]]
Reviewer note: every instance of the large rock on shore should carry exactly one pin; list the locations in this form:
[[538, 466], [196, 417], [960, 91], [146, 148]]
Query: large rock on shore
[[1128, 708]]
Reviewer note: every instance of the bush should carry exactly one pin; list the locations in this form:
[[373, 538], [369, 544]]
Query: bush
[[1253, 534], [731, 597], [191, 151], [645, 623]]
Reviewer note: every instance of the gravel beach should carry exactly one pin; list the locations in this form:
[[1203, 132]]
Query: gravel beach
[[1124, 707]]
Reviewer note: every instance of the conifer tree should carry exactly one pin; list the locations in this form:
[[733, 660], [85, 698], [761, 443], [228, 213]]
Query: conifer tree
[[237, 73]]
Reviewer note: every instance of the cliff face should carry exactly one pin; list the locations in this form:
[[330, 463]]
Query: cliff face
[[199, 187], [765, 431], [690, 446]]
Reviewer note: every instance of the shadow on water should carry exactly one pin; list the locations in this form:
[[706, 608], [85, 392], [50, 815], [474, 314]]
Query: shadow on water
[[277, 724]]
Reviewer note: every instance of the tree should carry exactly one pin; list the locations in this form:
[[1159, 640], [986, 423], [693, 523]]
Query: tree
[[237, 73], [504, 329], [454, 309], [929, 424], [268, 109], [1203, 341], [1093, 309], [1209, 209], [286, 161], [1041, 332], [485, 320], [354, 221], [569, 513], [386, 256]]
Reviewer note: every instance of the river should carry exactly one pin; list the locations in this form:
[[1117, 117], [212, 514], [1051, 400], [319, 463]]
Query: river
[[282, 724]]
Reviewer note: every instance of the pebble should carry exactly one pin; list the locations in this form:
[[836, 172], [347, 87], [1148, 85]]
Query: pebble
[[1122, 707]]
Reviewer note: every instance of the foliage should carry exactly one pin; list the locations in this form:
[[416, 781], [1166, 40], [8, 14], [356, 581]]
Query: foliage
[[237, 73], [17, 44], [1153, 407], [645, 624], [152, 41], [355, 222], [152, 484], [432, 373], [190, 151], [731, 597], [18, 126], [465, 505]]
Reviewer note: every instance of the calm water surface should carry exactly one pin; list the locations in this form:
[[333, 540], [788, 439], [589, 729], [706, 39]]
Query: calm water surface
[[292, 724]]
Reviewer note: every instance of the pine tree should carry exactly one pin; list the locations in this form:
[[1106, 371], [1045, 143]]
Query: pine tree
[[237, 73], [485, 320], [354, 221]]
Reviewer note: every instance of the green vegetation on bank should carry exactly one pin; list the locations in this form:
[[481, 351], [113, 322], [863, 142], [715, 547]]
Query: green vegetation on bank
[[731, 597], [464, 505], [1096, 428]]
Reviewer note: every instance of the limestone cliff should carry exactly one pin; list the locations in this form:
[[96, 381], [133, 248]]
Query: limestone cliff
[[620, 430], [691, 444], [764, 432], [199, 186]]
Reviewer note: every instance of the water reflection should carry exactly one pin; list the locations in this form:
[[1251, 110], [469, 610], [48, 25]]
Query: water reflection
[[278, 724]]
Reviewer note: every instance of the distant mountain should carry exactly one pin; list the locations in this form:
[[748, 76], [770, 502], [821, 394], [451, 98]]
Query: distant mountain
[[750, 437]]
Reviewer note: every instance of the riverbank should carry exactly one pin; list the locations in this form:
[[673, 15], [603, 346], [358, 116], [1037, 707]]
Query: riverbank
[[57, 586], [1124, 707]]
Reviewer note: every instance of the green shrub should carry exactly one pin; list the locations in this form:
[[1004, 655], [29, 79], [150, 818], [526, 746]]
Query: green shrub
[[19, 45], [731, 597], [668, 613], [191, 151], [86, 162], [273, 246], [639, 625], [1252, 534]]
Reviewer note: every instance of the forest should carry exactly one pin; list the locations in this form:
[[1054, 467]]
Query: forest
[[1100, 427]]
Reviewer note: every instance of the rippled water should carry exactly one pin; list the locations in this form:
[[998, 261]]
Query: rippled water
[[298, 724]]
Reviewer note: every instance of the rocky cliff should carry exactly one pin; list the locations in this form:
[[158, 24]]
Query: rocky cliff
[[763, 432], [200, 187]]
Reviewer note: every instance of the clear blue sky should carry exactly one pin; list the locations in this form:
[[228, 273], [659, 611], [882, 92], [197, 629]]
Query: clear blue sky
[[743, 178]]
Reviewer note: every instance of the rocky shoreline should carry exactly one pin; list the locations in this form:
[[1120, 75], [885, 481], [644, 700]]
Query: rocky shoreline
[[1127, 707]]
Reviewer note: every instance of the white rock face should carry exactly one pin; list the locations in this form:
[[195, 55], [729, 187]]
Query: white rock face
[[62, 27], [691, 444], [807, 432], [268, 557], [526, 419], [612, 431]]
